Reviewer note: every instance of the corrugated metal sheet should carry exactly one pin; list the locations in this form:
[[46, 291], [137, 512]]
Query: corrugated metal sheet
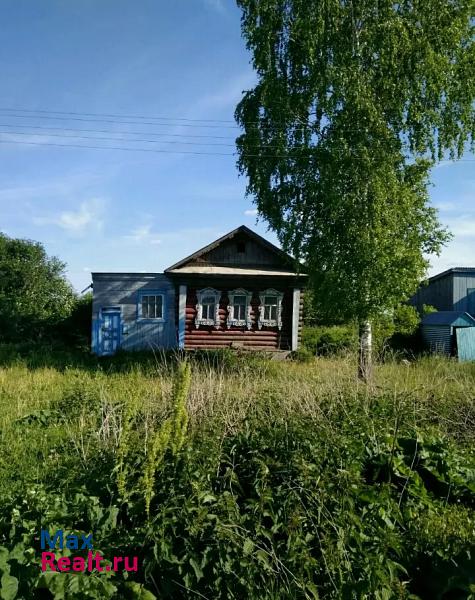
[[437, 293], [463, 284], [449, 317], [466, 343], [438, 338], [448, 290]]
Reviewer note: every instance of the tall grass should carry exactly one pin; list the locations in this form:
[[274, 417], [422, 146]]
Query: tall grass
[[255, 479]]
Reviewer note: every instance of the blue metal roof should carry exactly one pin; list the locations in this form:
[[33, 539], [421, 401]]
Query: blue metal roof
[[448, 317], [465, 270]]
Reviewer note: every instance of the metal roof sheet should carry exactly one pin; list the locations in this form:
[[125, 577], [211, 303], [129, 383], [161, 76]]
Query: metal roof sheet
[[452, 270], [447, 317]]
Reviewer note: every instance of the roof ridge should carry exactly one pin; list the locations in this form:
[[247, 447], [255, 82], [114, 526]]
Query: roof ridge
[[242, 228]]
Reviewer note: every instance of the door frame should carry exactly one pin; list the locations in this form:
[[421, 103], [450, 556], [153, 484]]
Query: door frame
[[110, 310]]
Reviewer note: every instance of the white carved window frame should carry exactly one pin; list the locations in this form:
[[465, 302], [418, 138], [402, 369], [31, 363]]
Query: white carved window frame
[[262, 322], [231, 321], [204, 293]]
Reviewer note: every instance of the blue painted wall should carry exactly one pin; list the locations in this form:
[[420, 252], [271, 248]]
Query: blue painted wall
[[124, 290]]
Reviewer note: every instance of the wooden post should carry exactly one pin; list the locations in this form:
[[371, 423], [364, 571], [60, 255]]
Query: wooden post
[[181, 316], [295, 319]]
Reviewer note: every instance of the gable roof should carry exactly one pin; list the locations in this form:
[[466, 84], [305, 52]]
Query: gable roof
[[466, 270], [448, 317], [283, 257]]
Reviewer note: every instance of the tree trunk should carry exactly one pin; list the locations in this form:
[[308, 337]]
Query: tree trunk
[[365, 365]]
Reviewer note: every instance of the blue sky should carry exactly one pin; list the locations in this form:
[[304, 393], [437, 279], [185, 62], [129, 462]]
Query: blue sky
[[108, 210]]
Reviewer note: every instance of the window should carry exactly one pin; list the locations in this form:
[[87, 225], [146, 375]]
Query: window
[[241, 247], [150, 306], [207, 307], [270, 309], [239, 308]]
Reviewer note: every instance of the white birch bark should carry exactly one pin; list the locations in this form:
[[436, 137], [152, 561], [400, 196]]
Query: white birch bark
[[365, 351]]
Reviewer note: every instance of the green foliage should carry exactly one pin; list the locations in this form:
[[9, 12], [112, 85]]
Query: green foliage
[[34, 294], [307, 487], [168, 436], [354, 103], [75, 330], [395, 328], [428, 309], [330, 340], [406, 319]]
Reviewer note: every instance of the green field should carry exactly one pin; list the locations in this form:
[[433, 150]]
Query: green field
[[248, 479]]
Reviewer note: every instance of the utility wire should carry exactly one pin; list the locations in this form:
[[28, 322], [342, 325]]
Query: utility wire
[[122, 122], [184, 122], [167, 151], [115, 116], [116, 148], [77, 133], [116, 139], [152, 133]]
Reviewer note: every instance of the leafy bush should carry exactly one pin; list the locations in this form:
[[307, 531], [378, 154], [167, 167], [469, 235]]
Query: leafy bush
[[329, 340], [34, 294]]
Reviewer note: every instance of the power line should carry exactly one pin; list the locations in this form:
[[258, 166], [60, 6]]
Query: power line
[[156, 150], [162, 151], [115, 116], [116, 139], [152, 133], [184, 122], [122, 122]]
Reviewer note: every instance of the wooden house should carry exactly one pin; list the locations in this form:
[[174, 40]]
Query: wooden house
[[240, 291]]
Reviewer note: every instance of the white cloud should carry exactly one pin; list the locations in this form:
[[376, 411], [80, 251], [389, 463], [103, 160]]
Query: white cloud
[[463, 225], [227, 96], [217, 5], [143, 235], [251, 212], [459, 253], [444, 163], [76, 222], [446, 206]]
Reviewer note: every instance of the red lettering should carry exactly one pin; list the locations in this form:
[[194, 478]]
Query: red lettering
[[48, 558], [134, 566], [97, 559], [79, 564], [64, 563], [117, 560]]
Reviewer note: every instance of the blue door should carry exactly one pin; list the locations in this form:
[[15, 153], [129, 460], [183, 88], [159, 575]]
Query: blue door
[[109, 331], [465, 343]]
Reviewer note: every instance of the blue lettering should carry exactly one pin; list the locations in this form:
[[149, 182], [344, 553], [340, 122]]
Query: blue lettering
[[72, 542], [46, 539], [86, 541]]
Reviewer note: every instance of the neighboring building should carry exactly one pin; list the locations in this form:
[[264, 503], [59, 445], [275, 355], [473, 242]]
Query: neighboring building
[[239, 291], [452, 290], [451, 333]]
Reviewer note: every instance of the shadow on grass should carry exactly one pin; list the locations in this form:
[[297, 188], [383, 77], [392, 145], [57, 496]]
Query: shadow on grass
[[61, 357]]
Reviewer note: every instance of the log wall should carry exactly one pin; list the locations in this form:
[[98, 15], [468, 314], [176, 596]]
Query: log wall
[[267, 338]]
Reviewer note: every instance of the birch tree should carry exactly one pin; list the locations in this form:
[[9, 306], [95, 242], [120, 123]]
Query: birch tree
[[355, 102]]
